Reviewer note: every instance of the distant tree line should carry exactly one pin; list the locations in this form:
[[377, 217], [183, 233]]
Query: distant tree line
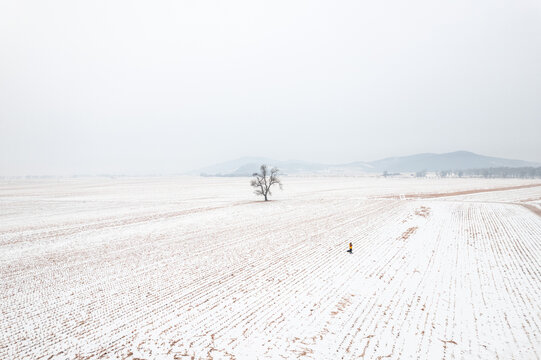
[[387, 174], [495, 172]]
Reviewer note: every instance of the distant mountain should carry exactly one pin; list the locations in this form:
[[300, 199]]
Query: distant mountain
[[458, 160], [246, 166], [230, 167]]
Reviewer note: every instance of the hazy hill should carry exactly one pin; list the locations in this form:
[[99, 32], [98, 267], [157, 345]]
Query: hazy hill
[[449, 161], [246, 166], [430, 162]]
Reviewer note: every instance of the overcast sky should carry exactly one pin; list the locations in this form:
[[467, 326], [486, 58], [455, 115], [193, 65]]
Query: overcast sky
[[137, 87]]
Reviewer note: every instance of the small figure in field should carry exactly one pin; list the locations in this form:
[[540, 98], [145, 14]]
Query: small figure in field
[[350, 248]]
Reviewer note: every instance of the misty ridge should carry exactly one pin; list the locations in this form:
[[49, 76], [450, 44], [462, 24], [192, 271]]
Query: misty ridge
[[454, 164]]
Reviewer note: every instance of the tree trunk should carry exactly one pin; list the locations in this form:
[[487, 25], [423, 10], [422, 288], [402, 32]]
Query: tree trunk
[[265, 197]]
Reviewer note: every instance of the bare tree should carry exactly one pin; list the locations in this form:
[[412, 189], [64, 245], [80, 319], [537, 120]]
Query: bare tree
[[263, 181]]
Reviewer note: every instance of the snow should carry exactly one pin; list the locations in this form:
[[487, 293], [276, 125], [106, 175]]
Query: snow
[[172, 268]]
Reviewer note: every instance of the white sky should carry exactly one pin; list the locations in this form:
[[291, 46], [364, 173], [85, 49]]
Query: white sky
[[137, 87]]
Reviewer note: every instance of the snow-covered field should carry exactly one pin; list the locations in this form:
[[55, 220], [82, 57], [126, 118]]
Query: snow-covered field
[[178, 268]]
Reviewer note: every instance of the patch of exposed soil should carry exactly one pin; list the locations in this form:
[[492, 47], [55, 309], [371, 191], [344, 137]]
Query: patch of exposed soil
[[465, 192], [423, 211], [532, 208], [408, 233]]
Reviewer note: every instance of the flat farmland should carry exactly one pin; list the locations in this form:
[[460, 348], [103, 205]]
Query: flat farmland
[[199, 268]]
